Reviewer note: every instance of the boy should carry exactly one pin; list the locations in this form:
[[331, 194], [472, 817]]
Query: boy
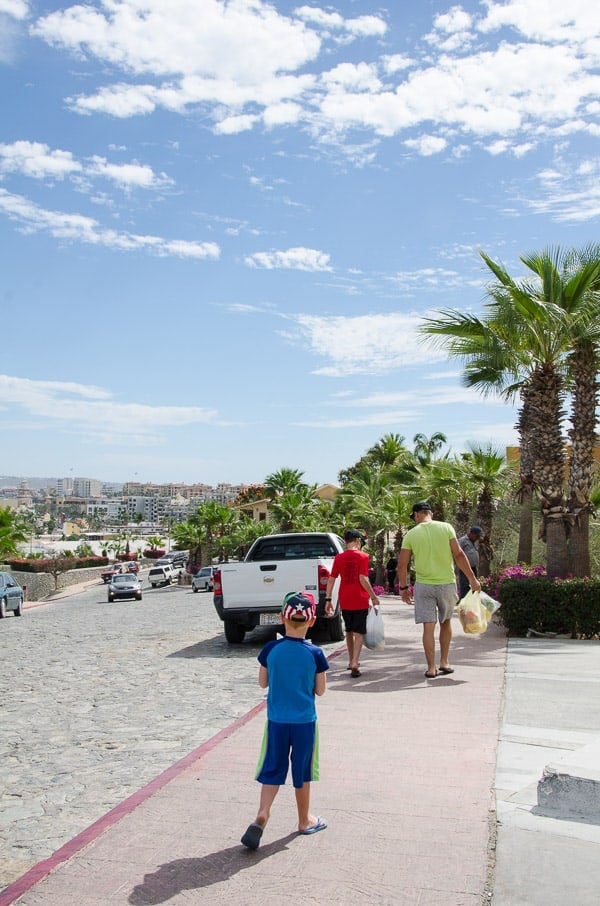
[[355, 594], [293, 669]]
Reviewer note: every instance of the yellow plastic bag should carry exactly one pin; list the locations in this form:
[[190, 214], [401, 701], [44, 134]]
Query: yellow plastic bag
[[472, 614]]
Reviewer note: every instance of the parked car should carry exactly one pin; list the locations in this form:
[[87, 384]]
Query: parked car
[[110, 571], [161, 575], [125, 585], [203, 579], [11, 596], [175, 558]]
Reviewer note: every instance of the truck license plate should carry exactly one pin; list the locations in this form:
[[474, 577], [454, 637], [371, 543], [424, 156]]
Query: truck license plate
[[269, 619]]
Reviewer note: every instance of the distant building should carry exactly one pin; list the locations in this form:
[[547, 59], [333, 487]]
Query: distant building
[[86, 487]]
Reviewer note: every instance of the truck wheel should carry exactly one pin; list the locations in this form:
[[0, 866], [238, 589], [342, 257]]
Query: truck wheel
[[336, 628], [234, 632]]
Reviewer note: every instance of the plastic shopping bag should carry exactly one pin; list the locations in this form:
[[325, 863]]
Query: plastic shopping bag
[[472, 614], [490, 604], [375, 637]]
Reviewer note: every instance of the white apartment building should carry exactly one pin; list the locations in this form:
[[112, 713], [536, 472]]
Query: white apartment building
[[105, 508], [86, 487]]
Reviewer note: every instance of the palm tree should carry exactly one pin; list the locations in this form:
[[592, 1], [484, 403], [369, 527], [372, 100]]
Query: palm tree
[[190, 535], [294, 511], [425, 448], [282, 481], [583, 363], [389, 453], [520, 348], [387, 450], [11, 533], [363, 500], [490, 473]]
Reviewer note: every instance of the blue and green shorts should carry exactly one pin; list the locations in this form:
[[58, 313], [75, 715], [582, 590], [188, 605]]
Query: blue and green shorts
[[283, 744]]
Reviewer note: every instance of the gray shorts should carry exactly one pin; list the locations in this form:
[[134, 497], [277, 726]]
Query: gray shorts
[[434, 602]]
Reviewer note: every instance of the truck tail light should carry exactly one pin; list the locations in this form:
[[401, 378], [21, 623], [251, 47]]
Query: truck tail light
[[217, 588], [323, 574]]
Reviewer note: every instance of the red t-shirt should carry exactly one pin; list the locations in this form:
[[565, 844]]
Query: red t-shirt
[[349, 565]]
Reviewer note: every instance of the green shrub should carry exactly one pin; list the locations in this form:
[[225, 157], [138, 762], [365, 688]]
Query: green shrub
[[564, 606]]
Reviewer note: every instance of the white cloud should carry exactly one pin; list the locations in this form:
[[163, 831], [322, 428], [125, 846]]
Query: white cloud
[[36, 160], [352, 77], [362, 26], [426, 145], [456, 19], [77, 227], [433, 279], [131, 175], [245, 64], [301, 259], [569, 194], [560, 22], [93, 410], [367, 344], [18, 9]]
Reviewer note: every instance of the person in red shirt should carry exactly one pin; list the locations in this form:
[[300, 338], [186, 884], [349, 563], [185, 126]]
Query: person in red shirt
[[355, 594]]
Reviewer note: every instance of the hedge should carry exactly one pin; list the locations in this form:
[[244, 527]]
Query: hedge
[[563, 606], [47, 566]]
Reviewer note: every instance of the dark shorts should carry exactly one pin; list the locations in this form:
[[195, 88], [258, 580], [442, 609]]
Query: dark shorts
[[355, 620], [283, 744]]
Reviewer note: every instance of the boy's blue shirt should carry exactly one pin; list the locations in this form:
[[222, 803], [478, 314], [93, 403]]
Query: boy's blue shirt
[[292, 665]]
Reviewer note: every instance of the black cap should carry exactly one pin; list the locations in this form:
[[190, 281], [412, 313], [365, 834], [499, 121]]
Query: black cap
[[420, 507], [476, 530], [353, 534]]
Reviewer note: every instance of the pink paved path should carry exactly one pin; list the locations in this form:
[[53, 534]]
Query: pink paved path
[[407, 767]]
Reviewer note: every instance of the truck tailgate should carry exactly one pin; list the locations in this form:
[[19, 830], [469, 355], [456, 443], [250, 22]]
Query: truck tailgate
[[263, 586]]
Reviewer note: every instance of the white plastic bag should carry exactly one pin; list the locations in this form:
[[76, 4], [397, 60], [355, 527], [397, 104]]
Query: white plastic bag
[[490, 604], [375, 637]]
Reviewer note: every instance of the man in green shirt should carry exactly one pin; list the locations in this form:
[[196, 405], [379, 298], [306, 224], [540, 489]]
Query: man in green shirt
[[435, 549]]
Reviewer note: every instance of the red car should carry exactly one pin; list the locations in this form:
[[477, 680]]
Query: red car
[[110, 571]]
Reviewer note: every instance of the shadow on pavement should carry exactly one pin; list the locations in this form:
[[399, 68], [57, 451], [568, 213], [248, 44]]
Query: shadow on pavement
[[192, 874]]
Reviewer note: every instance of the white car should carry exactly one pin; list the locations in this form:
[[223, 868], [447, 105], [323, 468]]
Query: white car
[[162, 575], [203, 580]]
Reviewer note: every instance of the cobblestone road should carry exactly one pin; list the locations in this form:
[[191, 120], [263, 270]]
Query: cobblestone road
[[98, 699]]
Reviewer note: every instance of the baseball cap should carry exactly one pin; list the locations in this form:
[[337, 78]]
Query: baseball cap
[[420, 507], [298, 606], [476, 530], [353, 534]]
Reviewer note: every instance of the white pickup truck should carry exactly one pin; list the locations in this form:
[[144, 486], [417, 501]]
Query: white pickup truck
[[250, 593]]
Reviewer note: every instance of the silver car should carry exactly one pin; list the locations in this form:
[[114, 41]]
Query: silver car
[[203, 580], [11, 595], [125, 585]]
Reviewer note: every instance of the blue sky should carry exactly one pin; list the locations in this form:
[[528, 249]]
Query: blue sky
[[223, 222]]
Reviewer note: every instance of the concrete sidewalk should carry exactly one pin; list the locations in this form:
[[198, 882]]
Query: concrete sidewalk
[[408, 769]]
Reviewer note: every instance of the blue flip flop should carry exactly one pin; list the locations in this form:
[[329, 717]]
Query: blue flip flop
[[252, 836], [320, 825]]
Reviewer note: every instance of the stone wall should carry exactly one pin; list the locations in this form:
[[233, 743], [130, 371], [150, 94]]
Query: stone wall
[[41, 585]]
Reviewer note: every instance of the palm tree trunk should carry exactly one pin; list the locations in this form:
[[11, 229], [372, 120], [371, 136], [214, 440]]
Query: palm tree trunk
[[526, 489], [547, 448], [579, 563], [525, 551], [557, 563], [379, 558], [583, 363]]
